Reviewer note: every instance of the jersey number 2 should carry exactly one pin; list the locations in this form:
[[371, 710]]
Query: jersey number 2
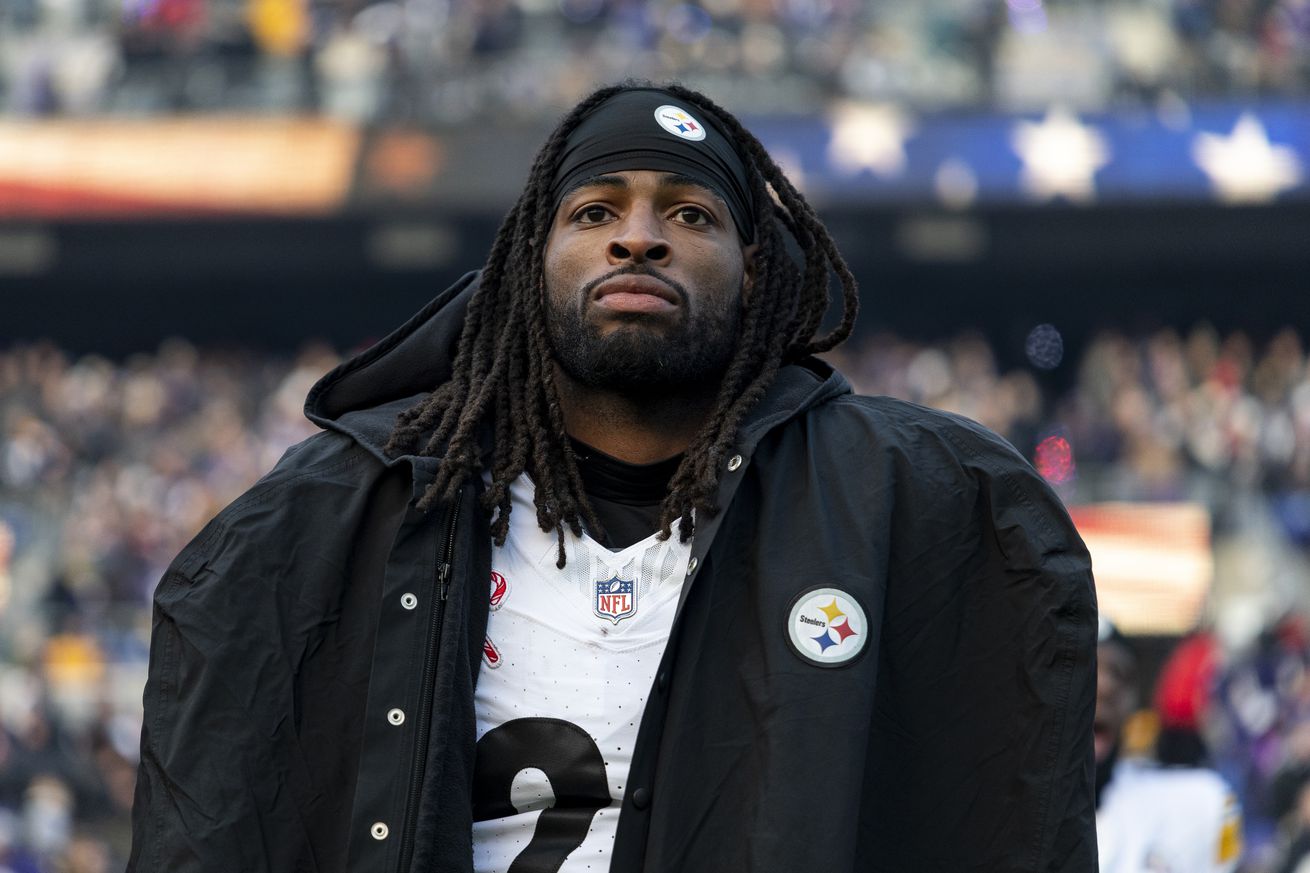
[[571, 761]]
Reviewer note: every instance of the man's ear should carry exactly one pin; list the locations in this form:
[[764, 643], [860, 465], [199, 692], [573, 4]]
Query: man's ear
[[748, 273]]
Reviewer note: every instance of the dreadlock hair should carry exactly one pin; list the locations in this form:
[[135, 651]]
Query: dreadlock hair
[[503, 376]]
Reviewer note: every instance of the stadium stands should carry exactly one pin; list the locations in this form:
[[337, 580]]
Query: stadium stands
[[436, 60]]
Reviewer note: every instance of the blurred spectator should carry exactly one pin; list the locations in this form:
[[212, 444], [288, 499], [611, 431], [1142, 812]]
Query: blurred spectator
[[1149, 816], [1290, 800], [1262, 707], [1182, 701], [1116, 698]]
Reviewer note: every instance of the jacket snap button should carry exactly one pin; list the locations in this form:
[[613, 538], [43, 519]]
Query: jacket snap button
[[641, 798], [691, 566], [379, 830], [396, 716], [734, 462], [409, 601]]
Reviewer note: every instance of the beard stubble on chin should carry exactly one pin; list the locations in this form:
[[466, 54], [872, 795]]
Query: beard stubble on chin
[[640, 356]]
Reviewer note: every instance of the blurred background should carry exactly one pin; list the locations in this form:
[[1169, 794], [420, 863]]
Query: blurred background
[[1084, 223]]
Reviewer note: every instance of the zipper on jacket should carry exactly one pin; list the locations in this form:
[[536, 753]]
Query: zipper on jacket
[[422, 726]]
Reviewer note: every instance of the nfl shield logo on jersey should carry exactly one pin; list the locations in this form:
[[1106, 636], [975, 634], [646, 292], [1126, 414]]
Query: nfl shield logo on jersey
[[616, 599]]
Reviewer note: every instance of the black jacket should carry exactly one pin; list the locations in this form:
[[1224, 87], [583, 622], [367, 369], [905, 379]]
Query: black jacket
[[289, 633]]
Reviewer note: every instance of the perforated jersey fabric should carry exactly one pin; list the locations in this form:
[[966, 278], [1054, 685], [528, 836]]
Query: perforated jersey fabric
[[562, 688]]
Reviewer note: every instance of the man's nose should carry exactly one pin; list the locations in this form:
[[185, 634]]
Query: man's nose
[[639, 238]]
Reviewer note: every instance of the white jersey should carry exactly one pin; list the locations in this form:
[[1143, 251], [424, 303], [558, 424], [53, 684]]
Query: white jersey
[[1167, 820], [569, 659]]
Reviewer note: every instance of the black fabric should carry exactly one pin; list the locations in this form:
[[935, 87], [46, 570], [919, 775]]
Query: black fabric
[[625, 523], [960, 739], [609, 478], [626, 497], [623, 134]]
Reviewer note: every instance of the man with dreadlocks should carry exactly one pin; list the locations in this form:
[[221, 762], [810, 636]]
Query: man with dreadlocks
[[596, 566]]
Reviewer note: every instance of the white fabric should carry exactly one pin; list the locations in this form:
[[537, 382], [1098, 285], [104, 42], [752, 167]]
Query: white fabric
[[1167, 820], [559, 660]]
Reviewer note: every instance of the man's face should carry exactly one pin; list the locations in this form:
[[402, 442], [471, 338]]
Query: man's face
[[644, 276], [1115, 696]]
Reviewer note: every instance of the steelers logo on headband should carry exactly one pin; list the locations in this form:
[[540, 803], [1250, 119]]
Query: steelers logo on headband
[[617, 135], [679, 122]]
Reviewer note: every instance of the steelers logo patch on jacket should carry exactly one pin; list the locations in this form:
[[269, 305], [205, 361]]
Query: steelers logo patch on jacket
[[827, 626]]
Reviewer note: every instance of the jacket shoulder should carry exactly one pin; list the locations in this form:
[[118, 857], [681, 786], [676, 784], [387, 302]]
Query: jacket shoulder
[[302, 477], [938, 456], [900, 423]]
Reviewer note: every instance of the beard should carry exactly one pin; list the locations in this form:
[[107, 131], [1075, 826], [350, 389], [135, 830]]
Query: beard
[[639, 357]]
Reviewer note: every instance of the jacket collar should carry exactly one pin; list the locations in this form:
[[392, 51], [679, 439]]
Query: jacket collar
[[798, 388], [362, 397]]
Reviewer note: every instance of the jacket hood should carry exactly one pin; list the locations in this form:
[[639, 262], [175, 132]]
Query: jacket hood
[[362, 396]]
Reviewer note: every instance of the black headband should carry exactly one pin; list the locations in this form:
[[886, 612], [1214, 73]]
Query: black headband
[[650, 129]]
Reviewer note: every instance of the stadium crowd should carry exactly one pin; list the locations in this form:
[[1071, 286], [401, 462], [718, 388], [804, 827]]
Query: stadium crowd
[[453, 60], [108, 468], [1164, 417]]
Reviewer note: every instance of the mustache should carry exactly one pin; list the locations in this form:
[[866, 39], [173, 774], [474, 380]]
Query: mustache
[[637, 270]]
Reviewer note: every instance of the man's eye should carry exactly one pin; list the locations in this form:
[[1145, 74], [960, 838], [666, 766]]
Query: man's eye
[[693, 215], [591, 214]]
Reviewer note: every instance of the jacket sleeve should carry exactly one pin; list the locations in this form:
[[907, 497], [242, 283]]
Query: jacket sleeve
[[213, 687], [162, 808], [987, 684], [195, 748], [253, 629], [215, 789]]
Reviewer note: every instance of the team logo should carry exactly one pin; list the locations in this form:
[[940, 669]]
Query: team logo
[[615, 599], [827, 626], [679, 123], [499, 589], [490, 654]]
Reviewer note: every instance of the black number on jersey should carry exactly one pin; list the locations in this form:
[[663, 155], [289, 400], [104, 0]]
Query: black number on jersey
[[571, 761]]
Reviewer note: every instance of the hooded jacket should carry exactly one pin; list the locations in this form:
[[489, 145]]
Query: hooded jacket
[[309, 705]]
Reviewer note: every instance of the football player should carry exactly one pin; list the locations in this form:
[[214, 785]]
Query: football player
[[596, 566]]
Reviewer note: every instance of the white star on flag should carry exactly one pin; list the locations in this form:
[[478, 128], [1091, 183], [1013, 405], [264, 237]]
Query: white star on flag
[[1245, 167], [869, 137], [956, 184], [1060, 155]]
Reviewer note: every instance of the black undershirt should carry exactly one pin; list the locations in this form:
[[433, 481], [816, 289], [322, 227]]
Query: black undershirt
[[625, 496]]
